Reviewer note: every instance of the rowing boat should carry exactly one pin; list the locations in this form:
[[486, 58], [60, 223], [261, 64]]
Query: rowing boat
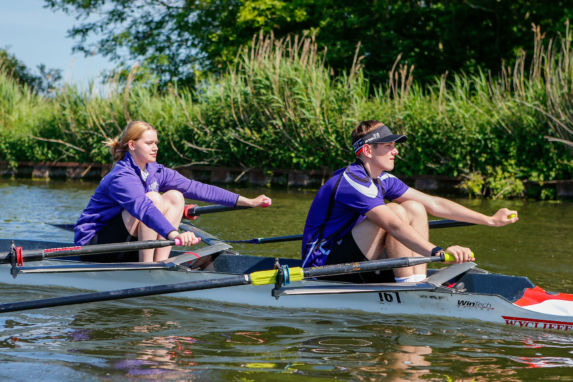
[[460, 291]]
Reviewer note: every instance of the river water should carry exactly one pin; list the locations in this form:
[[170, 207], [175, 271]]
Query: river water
[[170, 339]]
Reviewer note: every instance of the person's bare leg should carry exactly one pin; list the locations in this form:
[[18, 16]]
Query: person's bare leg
[[137, 228], [175, 203], [375, 243], [414, 214], [133, 227], [418, 219], [370, 239]]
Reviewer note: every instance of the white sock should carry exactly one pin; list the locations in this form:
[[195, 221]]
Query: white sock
[[410, 279]]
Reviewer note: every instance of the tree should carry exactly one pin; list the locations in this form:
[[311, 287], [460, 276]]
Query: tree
[[175, 38], [17, 70]]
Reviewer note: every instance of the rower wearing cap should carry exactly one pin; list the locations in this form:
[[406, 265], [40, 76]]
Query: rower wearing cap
[[349, 219]]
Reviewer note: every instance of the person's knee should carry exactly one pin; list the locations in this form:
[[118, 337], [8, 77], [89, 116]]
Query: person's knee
[[414, 209], [159, 201], [367, 228], [400, 211], [155, 198], [175, 198]]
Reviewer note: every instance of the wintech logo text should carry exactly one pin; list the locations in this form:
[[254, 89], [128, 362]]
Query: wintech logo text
[[474, 305]]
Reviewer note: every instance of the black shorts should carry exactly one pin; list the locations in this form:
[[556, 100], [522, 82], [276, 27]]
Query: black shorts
[[347, 251], [113, 232]]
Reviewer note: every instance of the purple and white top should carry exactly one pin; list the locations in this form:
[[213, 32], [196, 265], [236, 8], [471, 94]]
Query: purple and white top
[[124, 188], [340, 204]]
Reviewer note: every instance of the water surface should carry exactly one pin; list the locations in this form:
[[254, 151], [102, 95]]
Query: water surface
[[172, 339]]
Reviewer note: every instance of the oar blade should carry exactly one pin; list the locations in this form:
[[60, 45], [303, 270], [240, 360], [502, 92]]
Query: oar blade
[[67, 227]]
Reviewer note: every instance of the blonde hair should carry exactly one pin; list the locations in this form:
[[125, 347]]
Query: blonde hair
[[133, 131]]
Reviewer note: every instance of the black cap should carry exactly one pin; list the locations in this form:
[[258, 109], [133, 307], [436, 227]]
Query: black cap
[[380, 135]]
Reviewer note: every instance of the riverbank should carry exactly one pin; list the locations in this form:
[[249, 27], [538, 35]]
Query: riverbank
[[305, 179], [283, 109]]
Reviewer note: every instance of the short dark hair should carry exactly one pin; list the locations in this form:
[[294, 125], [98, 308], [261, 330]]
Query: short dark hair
[[364, 128]]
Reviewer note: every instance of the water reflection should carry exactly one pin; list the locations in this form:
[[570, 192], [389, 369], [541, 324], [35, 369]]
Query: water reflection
[[197, 340], [363, 360]]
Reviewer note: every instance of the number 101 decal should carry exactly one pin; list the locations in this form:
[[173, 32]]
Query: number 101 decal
[[389, 297]]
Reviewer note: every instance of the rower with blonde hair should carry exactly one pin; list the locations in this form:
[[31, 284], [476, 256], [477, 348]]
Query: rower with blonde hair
[[143, 200]]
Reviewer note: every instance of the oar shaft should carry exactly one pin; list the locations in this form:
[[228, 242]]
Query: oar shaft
[[368, 266], [446, 223], [297, 273], [41, 254], [266, 240], [192, 211], [125, 293]]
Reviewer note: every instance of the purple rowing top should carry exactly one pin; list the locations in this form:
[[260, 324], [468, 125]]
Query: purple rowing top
[[124, 188], [340, 204]]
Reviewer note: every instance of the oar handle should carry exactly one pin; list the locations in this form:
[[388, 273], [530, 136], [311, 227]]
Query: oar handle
[[448, 257]]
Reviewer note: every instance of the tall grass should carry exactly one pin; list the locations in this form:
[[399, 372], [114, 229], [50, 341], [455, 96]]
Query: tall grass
[[280, 106]]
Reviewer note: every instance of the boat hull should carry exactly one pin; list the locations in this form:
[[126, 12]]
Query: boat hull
[[331, 296]]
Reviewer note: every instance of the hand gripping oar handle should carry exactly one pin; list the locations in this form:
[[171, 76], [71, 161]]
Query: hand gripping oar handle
[[255, 278], [40, 254]]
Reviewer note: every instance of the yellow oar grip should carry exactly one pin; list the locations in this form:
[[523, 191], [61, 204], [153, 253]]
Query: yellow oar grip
[[450, 257], [270, 277]]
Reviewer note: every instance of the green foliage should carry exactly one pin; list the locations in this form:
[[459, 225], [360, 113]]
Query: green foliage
[[502, 183], [473, 184], [280, 106], [176, 38]]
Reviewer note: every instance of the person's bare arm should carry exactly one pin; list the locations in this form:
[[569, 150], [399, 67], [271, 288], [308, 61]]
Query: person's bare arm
[[448, 209], [385, 218]]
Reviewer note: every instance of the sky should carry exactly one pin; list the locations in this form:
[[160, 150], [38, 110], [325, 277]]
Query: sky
[[36, 35]]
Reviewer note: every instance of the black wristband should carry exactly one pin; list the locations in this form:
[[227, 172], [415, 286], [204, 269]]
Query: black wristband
[[436, 251]]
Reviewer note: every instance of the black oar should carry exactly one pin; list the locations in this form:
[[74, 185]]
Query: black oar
[[276, 239], [67, 227], [265, 240], [446, 223], [255, 278], [191, 211], [18, 255]]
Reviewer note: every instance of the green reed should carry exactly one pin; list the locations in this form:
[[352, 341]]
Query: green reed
[[280, 106]]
